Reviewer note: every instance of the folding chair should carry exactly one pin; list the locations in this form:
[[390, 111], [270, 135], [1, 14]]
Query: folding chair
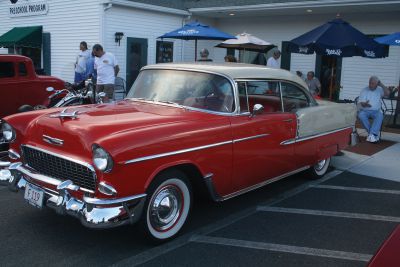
[[358, 110], [119, 88]]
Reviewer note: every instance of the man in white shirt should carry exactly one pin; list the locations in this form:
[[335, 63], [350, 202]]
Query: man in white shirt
[[107, 69], [273, 62], [370, 102], [80, 63]]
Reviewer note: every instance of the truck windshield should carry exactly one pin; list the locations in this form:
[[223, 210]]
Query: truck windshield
[[187, 88]]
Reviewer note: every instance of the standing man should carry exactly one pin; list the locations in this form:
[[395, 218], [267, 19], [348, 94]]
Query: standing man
[[107, 69], [314, 86], [370, 102], [80, 63], [273, 61]]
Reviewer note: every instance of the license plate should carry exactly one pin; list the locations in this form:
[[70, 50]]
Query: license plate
[[34, 195]]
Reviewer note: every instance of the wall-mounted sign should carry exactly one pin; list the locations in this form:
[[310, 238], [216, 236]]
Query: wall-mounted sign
[[28, 8]]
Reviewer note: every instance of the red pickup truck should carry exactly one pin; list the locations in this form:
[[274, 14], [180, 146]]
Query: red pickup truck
[[20, 85]]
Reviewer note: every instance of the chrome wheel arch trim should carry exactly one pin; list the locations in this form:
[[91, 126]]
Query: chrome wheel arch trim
[[305, 138], [177, 152]]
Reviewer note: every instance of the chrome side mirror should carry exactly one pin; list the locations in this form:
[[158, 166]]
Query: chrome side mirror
[[257, 109], [50, 89]]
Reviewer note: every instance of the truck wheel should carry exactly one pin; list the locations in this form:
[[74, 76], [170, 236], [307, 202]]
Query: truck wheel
[[319, 169], [167, 206]]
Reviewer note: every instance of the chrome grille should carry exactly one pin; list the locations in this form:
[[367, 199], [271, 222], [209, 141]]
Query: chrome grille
[[59, 168]]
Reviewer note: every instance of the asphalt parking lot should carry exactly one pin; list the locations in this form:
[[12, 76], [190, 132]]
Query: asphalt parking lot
[[340, 220]]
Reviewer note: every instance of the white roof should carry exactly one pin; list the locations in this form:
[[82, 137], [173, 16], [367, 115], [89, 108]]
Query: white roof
[[234, 70]]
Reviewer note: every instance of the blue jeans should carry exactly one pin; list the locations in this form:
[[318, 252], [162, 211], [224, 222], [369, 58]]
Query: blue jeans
[[79, 77], [377, 118]]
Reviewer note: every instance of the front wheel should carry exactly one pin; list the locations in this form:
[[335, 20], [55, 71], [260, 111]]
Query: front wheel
[[168, 205], [319, 169]]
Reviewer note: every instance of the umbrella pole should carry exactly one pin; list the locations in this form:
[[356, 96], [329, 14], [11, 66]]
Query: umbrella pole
[[195, 50], [331, 82]]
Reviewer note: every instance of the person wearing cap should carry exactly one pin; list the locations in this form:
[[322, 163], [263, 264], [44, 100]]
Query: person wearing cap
[[204, 55]]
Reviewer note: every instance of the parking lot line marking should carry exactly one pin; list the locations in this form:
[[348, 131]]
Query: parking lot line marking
[[358, 189], [347, 215], [282, 248], [158, 251], [302, 188]]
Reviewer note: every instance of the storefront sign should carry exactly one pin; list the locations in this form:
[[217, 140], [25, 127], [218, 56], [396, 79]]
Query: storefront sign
[[28, 8]]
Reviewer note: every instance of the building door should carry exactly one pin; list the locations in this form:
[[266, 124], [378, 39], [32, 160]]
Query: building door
[[136, 58], [328, 70]]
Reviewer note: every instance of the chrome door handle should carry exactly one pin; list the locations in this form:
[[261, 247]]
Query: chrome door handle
[[288, 120]]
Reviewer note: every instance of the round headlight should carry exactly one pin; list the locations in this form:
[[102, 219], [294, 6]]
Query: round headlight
[[8, 132], [101, 159]]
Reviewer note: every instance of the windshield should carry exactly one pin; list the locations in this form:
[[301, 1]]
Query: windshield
[[187, 88]]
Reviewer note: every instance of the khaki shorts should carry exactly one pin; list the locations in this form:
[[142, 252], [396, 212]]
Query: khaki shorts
[[106, 88]]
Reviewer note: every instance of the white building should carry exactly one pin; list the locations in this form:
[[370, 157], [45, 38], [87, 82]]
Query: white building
[[66, 23]]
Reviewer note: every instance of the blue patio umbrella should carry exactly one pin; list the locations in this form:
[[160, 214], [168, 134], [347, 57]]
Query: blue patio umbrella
[[197, 31], [391, 39], [337, 38]]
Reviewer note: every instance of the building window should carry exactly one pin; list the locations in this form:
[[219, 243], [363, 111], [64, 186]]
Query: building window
[[165, 52]]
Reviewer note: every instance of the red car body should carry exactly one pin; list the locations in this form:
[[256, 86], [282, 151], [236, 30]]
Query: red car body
[[20, 85], [162, 151]]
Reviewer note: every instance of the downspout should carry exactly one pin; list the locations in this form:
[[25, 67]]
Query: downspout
[[105, 6]]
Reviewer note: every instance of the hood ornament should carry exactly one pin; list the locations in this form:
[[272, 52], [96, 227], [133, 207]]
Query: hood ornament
[[65, 114], [52, 140]]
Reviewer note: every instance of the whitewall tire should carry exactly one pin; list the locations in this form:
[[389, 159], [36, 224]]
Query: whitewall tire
[[168, 205], [320, 169]]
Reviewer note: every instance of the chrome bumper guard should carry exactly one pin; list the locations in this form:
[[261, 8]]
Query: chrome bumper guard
[[92, 212]]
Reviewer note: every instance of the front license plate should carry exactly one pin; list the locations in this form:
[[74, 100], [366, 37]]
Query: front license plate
[[34, 195]]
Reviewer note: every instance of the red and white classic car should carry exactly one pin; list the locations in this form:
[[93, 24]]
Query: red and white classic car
[[227, 128]]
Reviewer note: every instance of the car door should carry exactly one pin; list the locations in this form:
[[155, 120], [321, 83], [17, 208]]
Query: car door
[[7, 88], [258, 151]]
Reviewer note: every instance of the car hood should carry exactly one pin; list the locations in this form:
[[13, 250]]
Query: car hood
[[94, 123]]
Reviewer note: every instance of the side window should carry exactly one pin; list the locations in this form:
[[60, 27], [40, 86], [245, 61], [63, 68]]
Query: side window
[[22, 69], [243, 101], [265, 93], [7, 70], [293, 97]]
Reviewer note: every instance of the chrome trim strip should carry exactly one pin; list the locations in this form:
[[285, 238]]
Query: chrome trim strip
[[12, 154], [250, 188], [249, 138], [64, 157], [100, 201], [52, 140], [177, 152], [291, 141], [193, 149]]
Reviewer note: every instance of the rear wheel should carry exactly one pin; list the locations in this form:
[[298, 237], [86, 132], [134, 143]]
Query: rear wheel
[[319, 169], [168, 205]]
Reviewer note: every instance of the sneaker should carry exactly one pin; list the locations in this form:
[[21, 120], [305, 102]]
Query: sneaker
[[373, 139], [369, 138], [376, 138]]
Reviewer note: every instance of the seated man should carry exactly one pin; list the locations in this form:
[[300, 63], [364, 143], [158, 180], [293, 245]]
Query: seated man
[[370, 102], [313, 83]]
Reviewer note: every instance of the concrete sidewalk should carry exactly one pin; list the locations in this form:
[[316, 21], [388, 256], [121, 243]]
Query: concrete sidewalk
[[384, 164]]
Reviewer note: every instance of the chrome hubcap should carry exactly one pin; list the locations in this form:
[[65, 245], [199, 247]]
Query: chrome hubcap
[[165, 208], [320, 165]]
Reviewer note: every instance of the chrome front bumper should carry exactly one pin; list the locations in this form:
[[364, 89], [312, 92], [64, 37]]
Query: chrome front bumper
[[92, 212]]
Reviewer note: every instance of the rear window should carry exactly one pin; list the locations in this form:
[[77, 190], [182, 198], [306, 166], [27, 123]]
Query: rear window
[[7, 70], [22, 69]]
